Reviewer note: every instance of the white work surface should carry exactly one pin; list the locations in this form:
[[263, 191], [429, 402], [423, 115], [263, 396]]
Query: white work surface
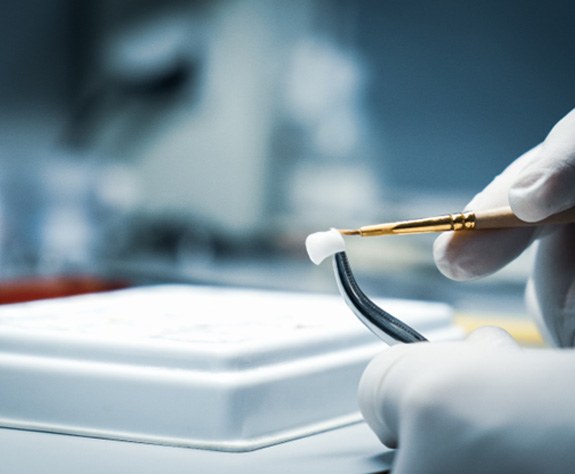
[[178, 378], [353, 449]]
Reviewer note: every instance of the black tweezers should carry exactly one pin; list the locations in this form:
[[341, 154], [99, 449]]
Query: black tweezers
[[380, 322]]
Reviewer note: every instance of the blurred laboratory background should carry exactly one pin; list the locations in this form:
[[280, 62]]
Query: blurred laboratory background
[[202, 140]]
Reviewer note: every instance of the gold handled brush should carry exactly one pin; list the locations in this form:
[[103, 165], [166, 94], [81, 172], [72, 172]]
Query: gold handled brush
[[499, 218]]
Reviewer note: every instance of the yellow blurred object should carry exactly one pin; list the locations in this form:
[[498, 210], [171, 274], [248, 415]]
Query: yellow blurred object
[[522, 329]]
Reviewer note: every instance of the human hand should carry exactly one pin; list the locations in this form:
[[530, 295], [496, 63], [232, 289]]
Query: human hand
[[477, 406], [538, 184]]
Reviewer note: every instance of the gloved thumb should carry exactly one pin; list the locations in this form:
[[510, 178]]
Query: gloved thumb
[[545, 186], [390, 375]]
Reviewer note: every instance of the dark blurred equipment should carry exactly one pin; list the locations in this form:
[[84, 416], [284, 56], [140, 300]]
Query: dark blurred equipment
[[202, 140]]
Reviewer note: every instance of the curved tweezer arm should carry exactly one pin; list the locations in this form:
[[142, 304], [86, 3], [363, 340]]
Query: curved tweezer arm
[[384, 325]]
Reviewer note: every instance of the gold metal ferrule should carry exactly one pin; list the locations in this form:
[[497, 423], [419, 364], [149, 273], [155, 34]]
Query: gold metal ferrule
[[497, 218], [448, 222]]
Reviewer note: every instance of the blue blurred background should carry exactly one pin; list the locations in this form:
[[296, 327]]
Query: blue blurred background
[[202, 140]]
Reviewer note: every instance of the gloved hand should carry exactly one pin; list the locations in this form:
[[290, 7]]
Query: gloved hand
[[478, 406], [536, 185]]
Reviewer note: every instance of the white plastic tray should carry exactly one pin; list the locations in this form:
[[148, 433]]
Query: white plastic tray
[[211, 368]]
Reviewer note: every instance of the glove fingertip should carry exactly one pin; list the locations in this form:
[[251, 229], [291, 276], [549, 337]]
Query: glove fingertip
[[528, 202], [449, 259], [492, 337]]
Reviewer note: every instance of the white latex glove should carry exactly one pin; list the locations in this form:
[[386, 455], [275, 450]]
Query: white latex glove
[[479, 406], [536, 185]]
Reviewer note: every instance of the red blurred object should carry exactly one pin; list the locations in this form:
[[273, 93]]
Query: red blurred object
[[39, 288]]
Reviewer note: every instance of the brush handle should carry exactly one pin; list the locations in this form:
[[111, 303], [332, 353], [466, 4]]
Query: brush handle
[[503, 217]]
